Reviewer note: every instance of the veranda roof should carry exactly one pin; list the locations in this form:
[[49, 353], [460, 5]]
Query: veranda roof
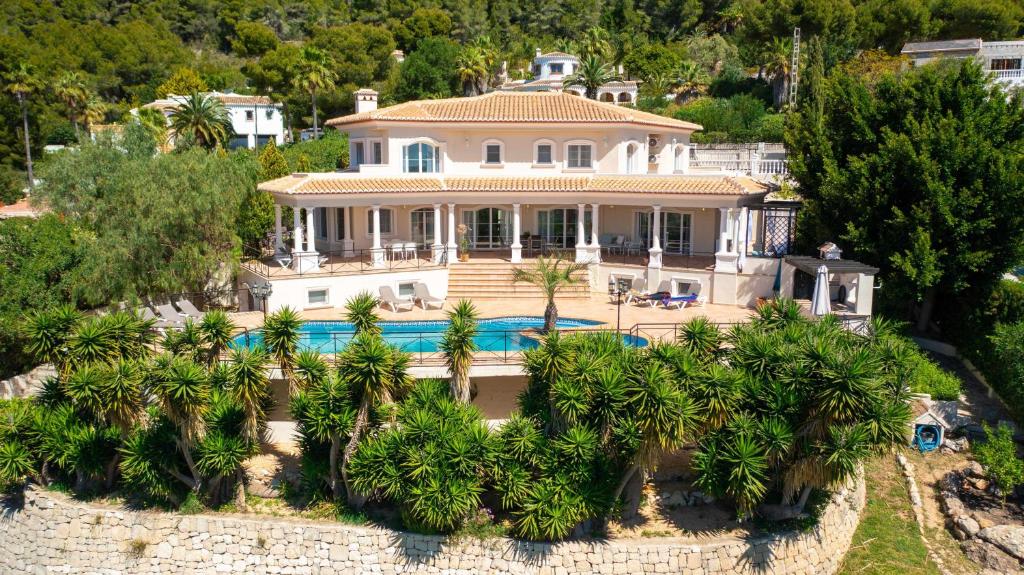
[[810, 264], [348, 183]]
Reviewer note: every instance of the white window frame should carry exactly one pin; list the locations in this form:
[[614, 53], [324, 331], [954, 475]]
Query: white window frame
[[354, 159], [631, 164], [483, 153], [327, 297], [390, 220], [561, 68], [536, 151], [410, 282], [270, 114], [438, 156], [320, 217], [678, 157], [250, 115], [568, 157], [674, 282]]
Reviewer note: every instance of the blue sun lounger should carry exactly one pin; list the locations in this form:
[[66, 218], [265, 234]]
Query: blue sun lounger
[[679, 302]]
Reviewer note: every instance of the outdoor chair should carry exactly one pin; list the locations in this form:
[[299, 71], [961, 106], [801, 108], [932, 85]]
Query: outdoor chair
[[388, 298], [634, 247], [654, 297], [618, 245], [397, 250], [636, 290], [190, 310], [147, 315], [421, 293], [283, 259], [678, 302], [175, 317], [409, 250]]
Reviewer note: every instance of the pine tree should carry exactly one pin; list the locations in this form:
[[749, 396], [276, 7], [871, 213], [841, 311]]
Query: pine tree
[[272, 162]]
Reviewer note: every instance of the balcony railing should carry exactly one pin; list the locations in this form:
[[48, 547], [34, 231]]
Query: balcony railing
[[340, 262], [1012, 75]]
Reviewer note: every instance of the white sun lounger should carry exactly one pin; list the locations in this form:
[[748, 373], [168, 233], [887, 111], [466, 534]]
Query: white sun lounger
[[421, 293], [388, 298]]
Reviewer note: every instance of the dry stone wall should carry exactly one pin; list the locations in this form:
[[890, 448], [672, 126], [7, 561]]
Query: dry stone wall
[[26, 384], [50, 533]]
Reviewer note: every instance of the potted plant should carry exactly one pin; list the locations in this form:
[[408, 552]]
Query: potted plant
[[463, 230]]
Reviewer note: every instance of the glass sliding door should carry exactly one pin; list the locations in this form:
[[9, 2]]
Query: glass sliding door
[[489, 228], [558, 226], [675, 231], [422, 227]]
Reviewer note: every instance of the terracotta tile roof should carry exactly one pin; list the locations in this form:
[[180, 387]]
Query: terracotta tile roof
[[556, 54], [173, 100], [514, 107], [351, 183]]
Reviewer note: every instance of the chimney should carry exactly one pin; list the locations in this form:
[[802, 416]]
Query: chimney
[[538, 52], [366, 100]]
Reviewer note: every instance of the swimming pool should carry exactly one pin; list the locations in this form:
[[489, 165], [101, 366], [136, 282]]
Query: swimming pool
[[495, 335]]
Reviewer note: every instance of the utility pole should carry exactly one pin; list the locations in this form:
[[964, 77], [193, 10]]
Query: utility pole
[[794, 68]]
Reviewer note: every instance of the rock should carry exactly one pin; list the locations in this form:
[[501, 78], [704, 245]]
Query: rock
[[989, 556], [983, 522], [1009, 538], [974, 469], [966, 525], [953, 506], [980, 484]]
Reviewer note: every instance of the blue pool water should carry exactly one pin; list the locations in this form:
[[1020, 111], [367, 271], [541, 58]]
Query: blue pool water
[[499, 335]]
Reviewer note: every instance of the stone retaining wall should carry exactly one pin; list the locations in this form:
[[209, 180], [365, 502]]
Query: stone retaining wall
[[50, 533], [26, 384]]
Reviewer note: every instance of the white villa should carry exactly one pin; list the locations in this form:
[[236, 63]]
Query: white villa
[[526, 173], [255, 119], [550, 69], [1001, 59]]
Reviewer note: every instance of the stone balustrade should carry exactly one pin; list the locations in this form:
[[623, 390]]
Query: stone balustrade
[[51, 533]]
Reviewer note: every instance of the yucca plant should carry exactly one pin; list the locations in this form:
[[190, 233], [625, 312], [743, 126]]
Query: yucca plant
[[433, 463], [458, 347], [310, 368], [551, 275], [361, 312], [281, 337], [701, 337], [249, 388], [217, 331], [47, 334], [376, 375], [183, 390], [93, 341], [185, 342], [325, 413]]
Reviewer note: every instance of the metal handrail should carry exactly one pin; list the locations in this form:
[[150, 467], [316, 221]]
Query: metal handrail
[[346, 261]]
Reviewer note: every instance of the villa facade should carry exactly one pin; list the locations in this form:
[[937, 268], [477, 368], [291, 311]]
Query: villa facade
[[550, 69], [523, 174], [1003, 60], [255, 120]]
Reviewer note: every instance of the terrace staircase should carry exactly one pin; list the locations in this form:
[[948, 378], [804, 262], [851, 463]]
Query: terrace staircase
[[493, 280]]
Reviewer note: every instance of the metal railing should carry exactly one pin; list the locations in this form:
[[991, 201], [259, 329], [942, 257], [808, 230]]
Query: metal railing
[[271, 264]]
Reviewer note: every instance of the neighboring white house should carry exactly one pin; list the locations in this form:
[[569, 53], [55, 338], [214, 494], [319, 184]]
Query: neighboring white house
[[255, 119], [1001, 59], [525, 173], [549, 70]]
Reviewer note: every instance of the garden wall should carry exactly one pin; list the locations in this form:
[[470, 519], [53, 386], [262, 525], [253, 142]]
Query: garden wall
[[51, 533]]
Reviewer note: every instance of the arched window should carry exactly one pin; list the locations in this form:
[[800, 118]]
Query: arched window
[[607, 97], [625, 98], [421, 157], [631, 154]]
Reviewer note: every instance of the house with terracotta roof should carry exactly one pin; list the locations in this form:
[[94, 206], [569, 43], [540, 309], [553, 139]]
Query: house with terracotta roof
[[550, 70], [1003, 60], [508, 176], [255, 120]]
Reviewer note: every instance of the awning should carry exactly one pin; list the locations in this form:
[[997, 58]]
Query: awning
[[810, 264]]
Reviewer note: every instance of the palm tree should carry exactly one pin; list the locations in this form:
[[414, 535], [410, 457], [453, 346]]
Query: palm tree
[[473, 71], [156, 124], [596, 41], [375, 372], [203, 120], [47, 334], [249, 389], [591, 75], [458, 347], [94, 111], [550, 275], [316, 73], [776, 61], [691, 82], [22, 82], [281, 337], [71, 91]]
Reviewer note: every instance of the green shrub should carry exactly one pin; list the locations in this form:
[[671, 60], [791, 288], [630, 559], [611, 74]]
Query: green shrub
[[927, 377], [998, 455], [1002, 361]]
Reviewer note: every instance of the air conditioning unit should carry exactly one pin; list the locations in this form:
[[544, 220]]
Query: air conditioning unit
[[652, 159], [652, 142]]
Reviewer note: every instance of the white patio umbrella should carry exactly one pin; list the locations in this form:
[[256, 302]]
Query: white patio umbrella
[[820, 303]]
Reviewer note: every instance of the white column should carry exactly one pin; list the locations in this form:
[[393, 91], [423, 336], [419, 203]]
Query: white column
[[595, 237], [742, 229], [723, 230], [517, 247], [310, 230], [686, 159], [437, 248], [654, 253], [452, 247], [297, 227], [251, 141], [581, 243], [278, 229], [726, 256], [376, 253], [348, 244]]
